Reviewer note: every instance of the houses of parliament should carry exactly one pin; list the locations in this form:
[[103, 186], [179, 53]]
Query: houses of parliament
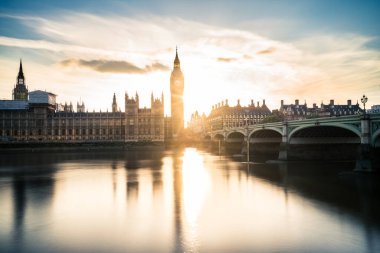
[[36, 117]]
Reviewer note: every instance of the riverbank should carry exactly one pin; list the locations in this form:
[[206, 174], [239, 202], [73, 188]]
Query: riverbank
[[69, 146]]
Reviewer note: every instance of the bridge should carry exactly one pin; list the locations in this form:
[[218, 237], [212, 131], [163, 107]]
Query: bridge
[[316, 138]]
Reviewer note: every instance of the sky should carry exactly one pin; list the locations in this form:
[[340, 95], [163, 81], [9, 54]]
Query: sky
[[311, 50]]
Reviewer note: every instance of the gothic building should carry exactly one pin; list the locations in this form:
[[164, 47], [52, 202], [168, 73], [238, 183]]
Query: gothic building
[[40, 119], [176, 91]]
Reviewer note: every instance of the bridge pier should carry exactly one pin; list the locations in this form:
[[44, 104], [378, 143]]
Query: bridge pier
[[284, 145], [364, 162]]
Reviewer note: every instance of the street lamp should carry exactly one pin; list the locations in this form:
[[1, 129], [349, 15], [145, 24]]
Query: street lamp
[[364, 100], [246, 125]]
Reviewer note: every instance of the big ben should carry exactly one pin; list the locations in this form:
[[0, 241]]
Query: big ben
[[176, 92]]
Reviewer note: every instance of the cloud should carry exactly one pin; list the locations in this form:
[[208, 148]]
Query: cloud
[[269, 50], [111, 66], [222, 59]]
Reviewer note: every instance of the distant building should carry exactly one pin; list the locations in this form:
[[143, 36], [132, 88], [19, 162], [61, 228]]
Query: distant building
[[341, 110], [299, 111], [223, 116], [197, 123], [374, 109]]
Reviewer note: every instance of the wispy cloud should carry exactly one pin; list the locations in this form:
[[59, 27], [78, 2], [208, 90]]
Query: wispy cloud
[[226, 59], [269, 50], [111, 66]]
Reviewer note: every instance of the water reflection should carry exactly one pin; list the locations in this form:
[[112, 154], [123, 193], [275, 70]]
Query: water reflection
[[183, 201]]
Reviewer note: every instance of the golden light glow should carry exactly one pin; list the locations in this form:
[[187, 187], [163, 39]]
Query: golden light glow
[[196, 184]]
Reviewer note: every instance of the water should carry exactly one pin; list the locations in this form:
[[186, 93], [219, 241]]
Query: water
[[183, 201]]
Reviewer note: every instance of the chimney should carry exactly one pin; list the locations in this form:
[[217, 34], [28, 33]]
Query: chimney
[[258, 104], [349, 102], [282, 103], [331, 101], [238, 102], [226, 102], [297, 101], [315, 106], [251, 102], [263, 102]]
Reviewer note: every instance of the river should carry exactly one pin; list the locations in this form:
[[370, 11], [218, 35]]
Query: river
[[186, 200]]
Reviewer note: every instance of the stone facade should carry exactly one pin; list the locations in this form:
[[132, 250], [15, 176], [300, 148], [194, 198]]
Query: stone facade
[[41, 119], [40, 122], [223, 116]]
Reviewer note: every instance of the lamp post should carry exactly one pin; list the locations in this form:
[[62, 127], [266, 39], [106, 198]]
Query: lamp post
[[364, 100], [246, 125]]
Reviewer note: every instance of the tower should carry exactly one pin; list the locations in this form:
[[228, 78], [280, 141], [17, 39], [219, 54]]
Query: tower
[[20, 92], [114, 104], [131, 116], [176, 92]]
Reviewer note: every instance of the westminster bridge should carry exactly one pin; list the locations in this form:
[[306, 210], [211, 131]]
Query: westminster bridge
[[344, 137]]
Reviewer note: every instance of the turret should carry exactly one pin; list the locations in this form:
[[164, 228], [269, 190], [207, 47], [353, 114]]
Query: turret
[[114, 103], [177, 63]]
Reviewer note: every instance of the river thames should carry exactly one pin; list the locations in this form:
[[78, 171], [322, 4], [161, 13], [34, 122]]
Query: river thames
[[183, 201]]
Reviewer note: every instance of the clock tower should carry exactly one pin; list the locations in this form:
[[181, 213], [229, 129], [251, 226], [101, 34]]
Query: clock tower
[[176, 92]]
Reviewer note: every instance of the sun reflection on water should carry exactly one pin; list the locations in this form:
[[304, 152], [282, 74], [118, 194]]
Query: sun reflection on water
[[196, 185]]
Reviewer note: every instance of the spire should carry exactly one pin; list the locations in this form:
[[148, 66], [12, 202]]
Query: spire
[[176, 60], [114, 104], [20, 72]]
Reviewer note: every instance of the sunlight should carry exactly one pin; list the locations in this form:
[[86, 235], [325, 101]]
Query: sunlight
[[196, 184]]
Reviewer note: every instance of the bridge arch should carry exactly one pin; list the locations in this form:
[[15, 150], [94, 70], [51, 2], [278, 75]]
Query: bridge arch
[[266, 135], [323, 134], [207, 137], [376, 139], [272, 132], [236, 133], [218, 137]]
